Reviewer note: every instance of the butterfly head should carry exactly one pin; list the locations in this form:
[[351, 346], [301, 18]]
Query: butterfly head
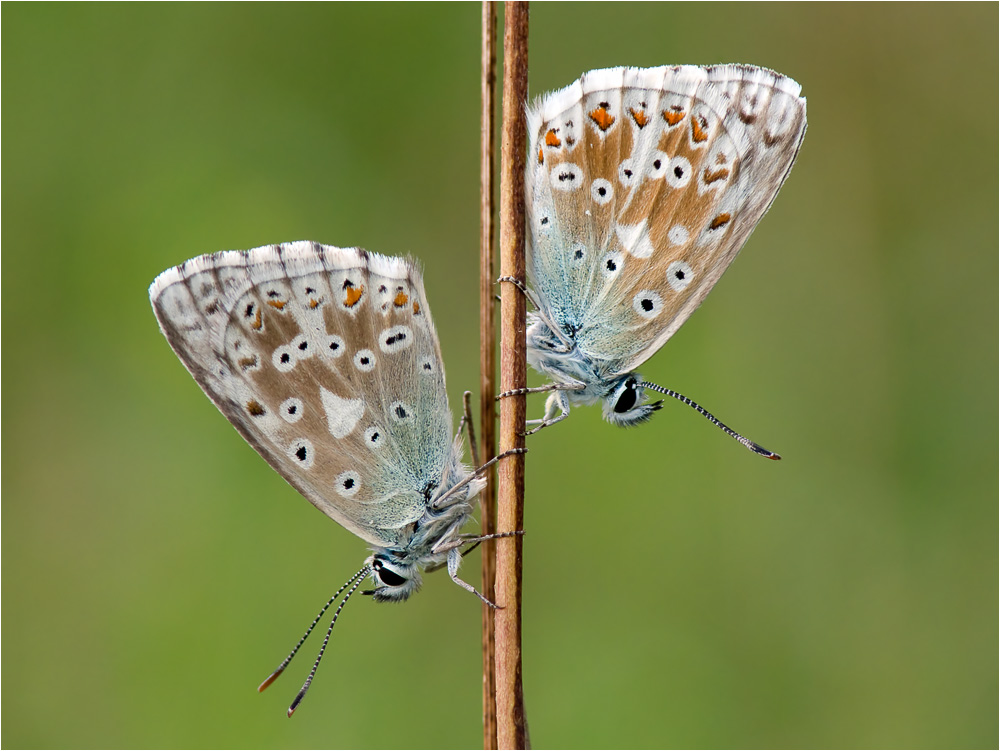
[[623, 405], [395, 579]]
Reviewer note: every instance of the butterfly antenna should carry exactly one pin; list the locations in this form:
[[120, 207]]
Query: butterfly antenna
[[326, 640], [755, 447], [365, 570]]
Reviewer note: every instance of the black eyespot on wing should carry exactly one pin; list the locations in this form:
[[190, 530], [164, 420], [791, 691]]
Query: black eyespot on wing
[[647, 305], [301, 453], [611, 265]]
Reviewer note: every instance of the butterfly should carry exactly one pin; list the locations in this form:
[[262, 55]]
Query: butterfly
[[327, 362], [641, 186]]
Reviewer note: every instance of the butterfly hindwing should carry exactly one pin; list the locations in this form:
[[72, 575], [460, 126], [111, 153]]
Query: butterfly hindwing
[[642, 185], [326, 360]]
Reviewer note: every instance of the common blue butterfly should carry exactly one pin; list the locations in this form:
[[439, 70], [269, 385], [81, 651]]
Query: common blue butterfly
[[327, 362], [641, 186]]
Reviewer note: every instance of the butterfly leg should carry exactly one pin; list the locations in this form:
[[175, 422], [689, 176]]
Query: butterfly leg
[[558, 401], [539, 311], [466, 422], [439, 503], [454, 559]]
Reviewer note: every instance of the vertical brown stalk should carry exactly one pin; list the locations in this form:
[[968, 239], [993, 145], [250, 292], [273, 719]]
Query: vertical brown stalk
[[487, 361], [512, 726]]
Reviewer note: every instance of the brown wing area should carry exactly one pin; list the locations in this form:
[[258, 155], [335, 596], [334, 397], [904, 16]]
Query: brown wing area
[[672, 181], [326, 361]]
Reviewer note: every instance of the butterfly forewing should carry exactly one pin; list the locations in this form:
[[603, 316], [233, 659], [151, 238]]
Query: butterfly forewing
[[642, 186], [325, 359]]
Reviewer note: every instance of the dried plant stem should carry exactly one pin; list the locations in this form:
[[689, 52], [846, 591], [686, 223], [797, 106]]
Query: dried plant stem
[[487, 361], [512, 726]]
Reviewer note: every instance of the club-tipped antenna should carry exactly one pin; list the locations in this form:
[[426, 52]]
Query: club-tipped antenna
[[358, 577], [755, 447], [326, 640]]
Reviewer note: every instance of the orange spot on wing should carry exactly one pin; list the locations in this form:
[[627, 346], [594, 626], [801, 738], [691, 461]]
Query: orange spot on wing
[[278, 304], [247, 362], [416, 308], [698, 132], [254, 408], [551, 139], [257, 322], [640, 118], [711, 177], [353, 295], [602, 117], [720, 221], [400, 300], [673, 116], [541, 156], [314, 303]]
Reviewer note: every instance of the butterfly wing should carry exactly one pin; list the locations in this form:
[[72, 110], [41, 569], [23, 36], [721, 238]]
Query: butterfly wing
[[642, 185], [327, 362]]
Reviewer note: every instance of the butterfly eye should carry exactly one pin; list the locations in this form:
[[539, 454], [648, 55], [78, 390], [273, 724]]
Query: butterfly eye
[[627, 398], [389, 577]]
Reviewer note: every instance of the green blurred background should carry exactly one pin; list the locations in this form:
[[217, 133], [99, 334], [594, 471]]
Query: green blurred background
[[678, 590]]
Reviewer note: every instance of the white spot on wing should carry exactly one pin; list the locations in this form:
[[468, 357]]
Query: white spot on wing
[[601, 191], [566, 176], [678, 235], [635, 239], [301, 452], [364, 360], [347, 483], [342, 415], [679, 275], [291, 410], [678, 172], [395, 339], [647, 303]]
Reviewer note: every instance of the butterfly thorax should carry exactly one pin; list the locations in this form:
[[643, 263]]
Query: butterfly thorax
[[549, 354], [426, 543]]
